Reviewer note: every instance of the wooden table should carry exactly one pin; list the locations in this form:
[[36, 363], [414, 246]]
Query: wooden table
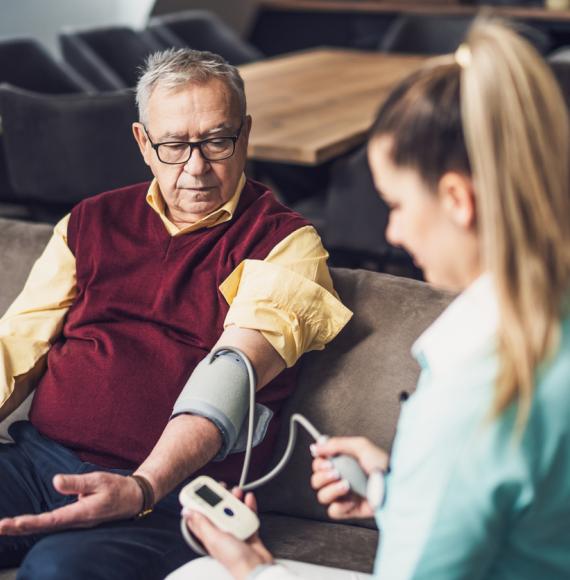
[[312, 106]]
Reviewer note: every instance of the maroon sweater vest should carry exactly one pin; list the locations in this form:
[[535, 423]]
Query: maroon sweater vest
[[148, 309]]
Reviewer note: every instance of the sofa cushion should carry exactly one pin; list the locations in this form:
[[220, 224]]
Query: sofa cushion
[[327, 544], [353, 386]]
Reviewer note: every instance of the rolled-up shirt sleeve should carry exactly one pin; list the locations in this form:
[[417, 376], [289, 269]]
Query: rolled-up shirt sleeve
[[288, 296], [36, 316]]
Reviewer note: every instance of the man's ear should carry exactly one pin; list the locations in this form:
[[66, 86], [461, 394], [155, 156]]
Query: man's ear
[[142, 141], [246, 129], [457, 196]]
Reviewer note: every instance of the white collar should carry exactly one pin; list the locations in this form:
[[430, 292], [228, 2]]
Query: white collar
[[466, 327]]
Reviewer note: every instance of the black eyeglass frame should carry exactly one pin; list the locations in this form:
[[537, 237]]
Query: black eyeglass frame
[[195, 145]]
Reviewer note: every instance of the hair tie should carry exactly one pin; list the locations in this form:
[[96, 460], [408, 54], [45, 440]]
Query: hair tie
[[463, 55]]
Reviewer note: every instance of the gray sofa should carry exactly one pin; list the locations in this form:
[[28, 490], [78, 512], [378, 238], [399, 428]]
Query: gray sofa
[[352, 387]]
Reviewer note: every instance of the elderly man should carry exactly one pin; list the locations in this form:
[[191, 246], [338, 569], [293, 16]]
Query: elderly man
[[134, 290]]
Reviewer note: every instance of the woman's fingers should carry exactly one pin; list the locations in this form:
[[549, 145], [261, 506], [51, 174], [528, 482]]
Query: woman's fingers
[[363, 450], [202, 527], [324, 477], [333, 492], [340, 510]]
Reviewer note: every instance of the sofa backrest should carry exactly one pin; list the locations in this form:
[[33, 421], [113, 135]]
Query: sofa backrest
[[21, 243], [353, 387]]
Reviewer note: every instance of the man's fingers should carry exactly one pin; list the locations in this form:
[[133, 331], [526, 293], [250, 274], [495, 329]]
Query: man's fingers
[[69, 516], [76, 484], [247, 498], [251, 502]]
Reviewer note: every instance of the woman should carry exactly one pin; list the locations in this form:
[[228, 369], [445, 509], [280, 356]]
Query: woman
[[471, 155]]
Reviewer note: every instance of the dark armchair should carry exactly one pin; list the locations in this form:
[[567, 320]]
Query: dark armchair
[[202, 30], [425, 34], [60, 150], [25, 63], [108, 57]]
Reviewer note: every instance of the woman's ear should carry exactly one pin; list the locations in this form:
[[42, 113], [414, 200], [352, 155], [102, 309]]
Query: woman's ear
[[457, 197]]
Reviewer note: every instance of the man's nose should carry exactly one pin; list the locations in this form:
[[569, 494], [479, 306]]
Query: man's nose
[[196, 165]]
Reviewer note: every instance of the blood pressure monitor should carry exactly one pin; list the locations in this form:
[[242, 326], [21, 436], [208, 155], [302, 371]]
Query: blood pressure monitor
[[227, 512]]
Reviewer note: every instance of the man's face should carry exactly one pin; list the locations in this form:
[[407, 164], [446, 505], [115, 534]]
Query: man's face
[[191, 113]]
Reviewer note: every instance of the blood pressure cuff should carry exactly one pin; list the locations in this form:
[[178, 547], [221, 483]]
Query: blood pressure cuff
[[218, 390]]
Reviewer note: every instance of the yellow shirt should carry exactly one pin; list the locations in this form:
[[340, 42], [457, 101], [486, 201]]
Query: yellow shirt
[[288, 296]]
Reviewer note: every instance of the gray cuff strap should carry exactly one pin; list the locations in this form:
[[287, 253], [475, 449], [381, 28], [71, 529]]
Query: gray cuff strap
[[218, 390]]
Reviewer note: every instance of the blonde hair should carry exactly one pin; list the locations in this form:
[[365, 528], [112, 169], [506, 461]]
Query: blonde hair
[[497, 114]]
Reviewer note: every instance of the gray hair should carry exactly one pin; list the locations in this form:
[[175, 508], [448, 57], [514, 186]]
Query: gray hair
[[174, 68]]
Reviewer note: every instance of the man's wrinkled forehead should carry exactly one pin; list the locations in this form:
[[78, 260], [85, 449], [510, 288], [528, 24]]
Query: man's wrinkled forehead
[[197, 110], [219, 94]]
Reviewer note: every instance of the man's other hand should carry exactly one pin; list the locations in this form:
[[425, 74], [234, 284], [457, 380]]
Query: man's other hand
[[101, 497]]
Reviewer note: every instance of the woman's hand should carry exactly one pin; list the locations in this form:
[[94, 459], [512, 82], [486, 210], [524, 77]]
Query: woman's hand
[[333, 491], [239, 557]]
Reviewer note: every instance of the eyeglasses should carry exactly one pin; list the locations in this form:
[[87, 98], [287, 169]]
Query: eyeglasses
[[179, 152]]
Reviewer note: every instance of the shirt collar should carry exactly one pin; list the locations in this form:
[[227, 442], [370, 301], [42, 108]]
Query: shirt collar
[[223, 214], [466, 327]]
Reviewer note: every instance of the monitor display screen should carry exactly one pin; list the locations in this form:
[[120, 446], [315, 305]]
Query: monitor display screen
[[208, 495]]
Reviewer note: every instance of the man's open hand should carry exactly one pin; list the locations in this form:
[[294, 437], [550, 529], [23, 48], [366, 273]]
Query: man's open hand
[[101, 497]]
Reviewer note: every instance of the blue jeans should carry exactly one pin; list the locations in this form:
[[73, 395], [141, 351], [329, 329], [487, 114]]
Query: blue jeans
[[149, 548]]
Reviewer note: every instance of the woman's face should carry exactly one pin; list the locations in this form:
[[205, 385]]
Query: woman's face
[[432, 226]]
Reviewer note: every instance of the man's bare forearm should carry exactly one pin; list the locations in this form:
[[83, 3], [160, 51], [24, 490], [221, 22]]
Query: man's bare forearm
[[187, 443]]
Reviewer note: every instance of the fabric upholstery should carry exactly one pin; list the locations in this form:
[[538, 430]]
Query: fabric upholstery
[[326, 543], [81, 145], [425, 34], [355, 220], [202, 30], [436, 34], [560, 64], [21, 244], [356, 217], [24, 63], [108, 57]]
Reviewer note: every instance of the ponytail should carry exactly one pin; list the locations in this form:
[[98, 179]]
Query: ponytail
[[494, 112], [516, 131]]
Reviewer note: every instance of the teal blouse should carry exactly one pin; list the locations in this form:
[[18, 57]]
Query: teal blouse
[[466, 497]]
